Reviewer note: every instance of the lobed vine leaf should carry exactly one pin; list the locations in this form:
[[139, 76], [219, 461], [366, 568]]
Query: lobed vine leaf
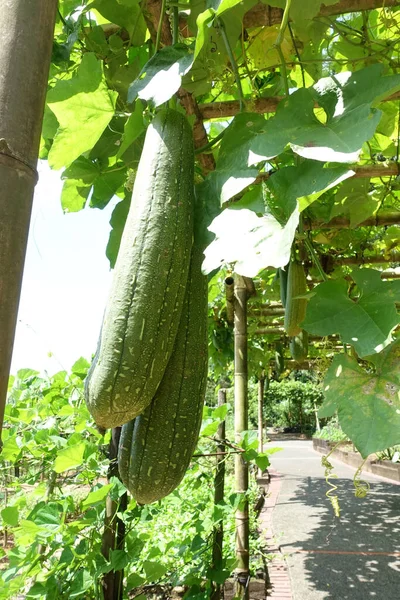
[[356, 200], [162, 75], [126, 14], [368, 404], [303, 183], [83, 106], [252, 243], [365, 322]]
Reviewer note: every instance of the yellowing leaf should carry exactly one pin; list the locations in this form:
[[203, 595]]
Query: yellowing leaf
[[261, 48]]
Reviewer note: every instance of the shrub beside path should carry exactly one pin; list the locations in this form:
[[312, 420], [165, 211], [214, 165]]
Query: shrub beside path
[[321, 557]]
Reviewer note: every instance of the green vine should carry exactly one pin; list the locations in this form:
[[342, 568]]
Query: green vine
[[278, 46], [333, 498], [159, 28], [361, 487], [233, 61], [211, 143]]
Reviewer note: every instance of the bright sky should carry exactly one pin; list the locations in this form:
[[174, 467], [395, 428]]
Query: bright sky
[[65, 284]]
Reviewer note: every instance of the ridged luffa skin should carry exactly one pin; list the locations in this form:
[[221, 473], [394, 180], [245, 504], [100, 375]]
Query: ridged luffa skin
[[295, 308], [147, 292], [155, 449]]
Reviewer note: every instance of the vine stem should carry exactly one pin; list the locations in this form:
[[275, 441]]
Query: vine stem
[[233, 62], [278, 45], [315, 259], [211, 143], [175, 25], [159, 28]]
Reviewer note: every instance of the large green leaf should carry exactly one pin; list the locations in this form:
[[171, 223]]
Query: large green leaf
[[79, 177], [162, 75], [251, 242], [227, 184], [69, 457], [347, 91], [10, 515], [83, 106], [154, 570], [106, 186], [81, 582], [203, 21], [356, 200], [126, 14], [97, 495], [303, 183], [117, 222], [368, 404], [295, 123], [134, 127], [365, 322], [350, 121], [235, 149]]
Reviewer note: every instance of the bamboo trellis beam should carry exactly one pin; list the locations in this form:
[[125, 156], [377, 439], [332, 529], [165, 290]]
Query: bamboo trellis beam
[[230, 108], [268, 330], [266, 312], [360, 171], [344, 222], [261, 14]]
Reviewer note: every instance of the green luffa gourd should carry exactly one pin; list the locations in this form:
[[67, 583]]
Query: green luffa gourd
[[148, 288], [155, 448]]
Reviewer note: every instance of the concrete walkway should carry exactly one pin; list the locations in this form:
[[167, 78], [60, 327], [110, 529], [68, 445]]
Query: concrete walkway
[[356, 557]]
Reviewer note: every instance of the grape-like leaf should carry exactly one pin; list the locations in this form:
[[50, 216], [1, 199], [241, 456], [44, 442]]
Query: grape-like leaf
[[162, 75], [83, 106], [368, 404], [251, 242], [366, 322]]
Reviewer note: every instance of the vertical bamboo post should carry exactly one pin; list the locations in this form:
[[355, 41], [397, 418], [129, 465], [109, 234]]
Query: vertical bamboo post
[[317, 423], [219, 489], [242, 573], [26, 34], [261, 388], [114, 527]]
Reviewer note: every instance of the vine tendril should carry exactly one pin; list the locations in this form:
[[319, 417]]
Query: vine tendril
[[361, 487]]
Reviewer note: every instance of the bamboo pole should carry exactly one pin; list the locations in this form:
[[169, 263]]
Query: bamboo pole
[[114, 528], [242, 572], [266, 312], [229, 296], [219, 491], [26, 34], [260, 403]]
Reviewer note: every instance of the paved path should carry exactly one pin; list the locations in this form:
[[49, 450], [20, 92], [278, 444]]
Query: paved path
[[356, 557]]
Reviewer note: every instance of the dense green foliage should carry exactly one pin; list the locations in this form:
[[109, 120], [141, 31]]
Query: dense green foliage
[[52, 504], [301, 154], [301, 159], [288, 404], [331, 432]]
